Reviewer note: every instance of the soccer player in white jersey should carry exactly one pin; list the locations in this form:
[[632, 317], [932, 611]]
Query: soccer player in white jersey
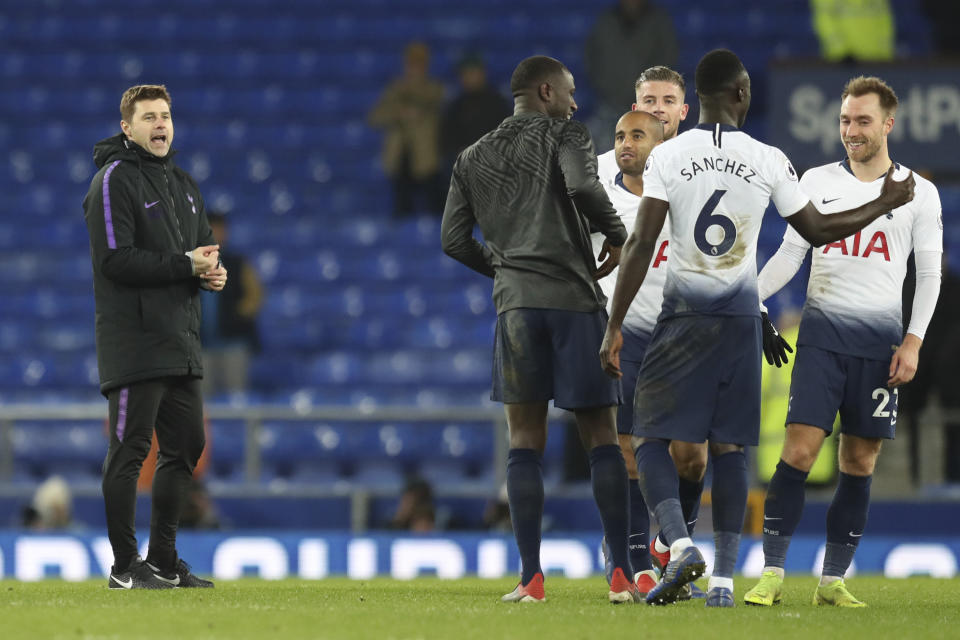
[[636, 133], [700, 377], [849, 352], [661, 92]]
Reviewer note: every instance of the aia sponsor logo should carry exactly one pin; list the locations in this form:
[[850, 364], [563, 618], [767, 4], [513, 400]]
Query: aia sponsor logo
[[877, 245], [661, 254]]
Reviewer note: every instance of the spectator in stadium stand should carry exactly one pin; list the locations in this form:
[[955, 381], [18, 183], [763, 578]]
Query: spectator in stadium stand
[[228, 329], [415, 508], [51, 507], [409, 112], [199, 510], [478, 108], [532, 187], [152, 251], [854, 30], [626, 39]]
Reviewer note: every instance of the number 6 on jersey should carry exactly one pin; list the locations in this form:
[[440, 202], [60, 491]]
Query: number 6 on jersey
[[706, 219]]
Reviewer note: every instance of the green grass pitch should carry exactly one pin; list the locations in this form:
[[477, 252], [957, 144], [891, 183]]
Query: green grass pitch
[[385, 609]]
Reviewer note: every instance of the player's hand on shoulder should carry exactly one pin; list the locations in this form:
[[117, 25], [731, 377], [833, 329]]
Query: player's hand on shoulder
[[609, 258], [897, 192], [775, 346], [610, 352]]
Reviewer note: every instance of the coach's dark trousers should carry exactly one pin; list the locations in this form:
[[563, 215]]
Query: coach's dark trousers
[[174, 406]]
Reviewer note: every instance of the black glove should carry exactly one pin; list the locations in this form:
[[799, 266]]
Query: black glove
[[774, 346]]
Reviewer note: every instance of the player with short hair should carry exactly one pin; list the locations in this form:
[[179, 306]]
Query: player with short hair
[[660, 91], [851, 323], [152, 251], [635, 135], [700, 377], [531, 185]]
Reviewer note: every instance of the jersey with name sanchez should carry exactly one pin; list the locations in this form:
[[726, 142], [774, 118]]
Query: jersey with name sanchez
[[855, 289], [643, 311], [718, 182]]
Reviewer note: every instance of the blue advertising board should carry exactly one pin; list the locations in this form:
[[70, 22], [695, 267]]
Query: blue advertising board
[[804, 110], [318, 554]]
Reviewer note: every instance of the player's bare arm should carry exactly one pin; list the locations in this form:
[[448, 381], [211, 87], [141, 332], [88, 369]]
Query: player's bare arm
[[634, 261], [819, 229]]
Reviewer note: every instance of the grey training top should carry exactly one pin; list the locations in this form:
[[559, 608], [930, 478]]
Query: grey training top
[[531, 185]]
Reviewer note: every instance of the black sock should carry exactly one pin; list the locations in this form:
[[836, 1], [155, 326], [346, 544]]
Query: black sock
[[690, 493], [608, 474], [525, 494]]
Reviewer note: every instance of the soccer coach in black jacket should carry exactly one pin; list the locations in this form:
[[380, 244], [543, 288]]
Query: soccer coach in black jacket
[[152, 250]]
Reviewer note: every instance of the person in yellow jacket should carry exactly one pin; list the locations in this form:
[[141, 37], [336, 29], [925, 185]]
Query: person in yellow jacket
[[854, 29], [775, 397]]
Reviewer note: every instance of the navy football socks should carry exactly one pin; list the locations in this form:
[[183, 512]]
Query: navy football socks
[[729, 507], [639, 529], [781, 512], [525, 494], [846, 520], [608, 475], [658, 479]]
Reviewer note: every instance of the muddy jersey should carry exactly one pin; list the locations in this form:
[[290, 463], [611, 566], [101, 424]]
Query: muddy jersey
[[718, 182]]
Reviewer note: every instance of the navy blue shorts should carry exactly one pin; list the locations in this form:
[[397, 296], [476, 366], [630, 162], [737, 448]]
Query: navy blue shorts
[[541, 354], [634, 347], [824, 382], [700, 380]]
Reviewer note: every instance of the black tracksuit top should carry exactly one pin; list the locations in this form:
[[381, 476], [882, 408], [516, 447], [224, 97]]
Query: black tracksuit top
[[143, 215]]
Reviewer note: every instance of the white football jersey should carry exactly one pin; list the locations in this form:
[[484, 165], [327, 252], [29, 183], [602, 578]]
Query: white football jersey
[[718, 182], [643, 311], [855, 289]]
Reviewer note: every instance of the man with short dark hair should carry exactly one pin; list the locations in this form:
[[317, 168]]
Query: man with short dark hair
[[636, 134], [700, 377], [531, 185], [152, 251], [851, 325]]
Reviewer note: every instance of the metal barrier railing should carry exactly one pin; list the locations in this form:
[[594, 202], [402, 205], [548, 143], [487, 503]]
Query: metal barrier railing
[[253, 418]]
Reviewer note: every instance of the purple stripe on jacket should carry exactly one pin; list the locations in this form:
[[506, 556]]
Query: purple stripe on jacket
[[107, 217], [122, 412]]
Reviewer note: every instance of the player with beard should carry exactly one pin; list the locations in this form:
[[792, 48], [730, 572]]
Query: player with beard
[[850, 325]]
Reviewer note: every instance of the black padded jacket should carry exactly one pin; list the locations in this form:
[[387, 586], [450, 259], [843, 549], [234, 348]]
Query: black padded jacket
[[143, 215]]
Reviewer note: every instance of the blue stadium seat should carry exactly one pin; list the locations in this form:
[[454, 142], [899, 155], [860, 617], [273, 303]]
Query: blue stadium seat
[[71, 448]]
